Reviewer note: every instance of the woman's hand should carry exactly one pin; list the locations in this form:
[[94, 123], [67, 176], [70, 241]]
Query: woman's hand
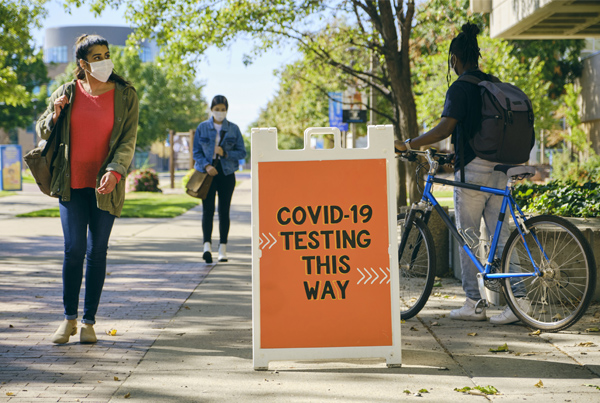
[[107, 183], [212, 171], [59, 105], [219, 150]]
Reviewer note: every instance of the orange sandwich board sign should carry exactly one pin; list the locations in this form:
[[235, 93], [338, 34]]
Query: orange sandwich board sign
[[324, 242]]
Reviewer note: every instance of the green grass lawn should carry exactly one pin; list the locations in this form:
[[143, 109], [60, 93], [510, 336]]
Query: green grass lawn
[[445, 198], [140, 205], [6, 193], [27, 177]]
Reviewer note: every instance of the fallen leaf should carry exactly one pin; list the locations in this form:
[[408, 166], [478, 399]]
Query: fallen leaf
[[116, 378], [472, 334], [585, 344], [186, 307], [437, 294], [591, 386], [414, 329], [9, 394], [423, 391], [11, 326], [437, 284], [488, 390], [540, 384], [402, 321], [108, 273], [406, 391], [39, 296], [500, 349], [592, 329], [536, 333], [435, 324], [558, 316], [111, 332], [436, 278], [127, 395], [465, 389]]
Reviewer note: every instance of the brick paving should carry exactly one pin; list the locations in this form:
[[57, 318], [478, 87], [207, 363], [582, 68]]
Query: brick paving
[[138, 301]]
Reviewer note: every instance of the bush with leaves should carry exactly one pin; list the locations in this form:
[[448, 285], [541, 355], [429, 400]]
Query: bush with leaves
[[566, 199], [186, 178], [143, 180]]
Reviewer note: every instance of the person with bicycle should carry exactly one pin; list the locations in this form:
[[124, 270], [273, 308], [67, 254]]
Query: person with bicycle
[[461, 118]]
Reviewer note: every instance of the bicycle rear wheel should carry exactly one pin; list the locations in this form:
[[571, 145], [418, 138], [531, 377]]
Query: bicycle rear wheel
[[559, 296], [417, 266]]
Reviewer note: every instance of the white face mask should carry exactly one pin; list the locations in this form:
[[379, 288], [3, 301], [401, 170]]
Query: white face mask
[[219, 116], [101, 70]]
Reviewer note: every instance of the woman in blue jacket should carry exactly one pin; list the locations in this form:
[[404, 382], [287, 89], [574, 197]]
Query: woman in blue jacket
[[218, 147]]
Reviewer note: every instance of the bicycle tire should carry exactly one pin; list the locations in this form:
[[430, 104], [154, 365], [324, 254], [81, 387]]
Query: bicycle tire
[[558, 297], [417, 272]]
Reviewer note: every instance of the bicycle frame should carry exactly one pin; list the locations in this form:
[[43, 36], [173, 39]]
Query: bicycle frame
[[507, 202]]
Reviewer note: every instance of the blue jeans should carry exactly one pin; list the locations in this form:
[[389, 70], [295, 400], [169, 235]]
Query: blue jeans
[[470, 207], [86, 229]]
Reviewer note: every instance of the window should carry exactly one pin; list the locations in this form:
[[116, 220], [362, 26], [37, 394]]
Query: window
[[56, 55], [145, 54]]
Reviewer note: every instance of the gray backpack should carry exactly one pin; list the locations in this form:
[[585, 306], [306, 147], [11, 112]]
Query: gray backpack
[[507, 134]]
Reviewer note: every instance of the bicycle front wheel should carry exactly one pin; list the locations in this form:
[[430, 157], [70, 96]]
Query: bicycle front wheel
[[417, 266], [558, 296]]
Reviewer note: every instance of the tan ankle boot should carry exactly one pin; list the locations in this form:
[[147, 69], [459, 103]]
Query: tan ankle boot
[[87, 335], [65, 330]]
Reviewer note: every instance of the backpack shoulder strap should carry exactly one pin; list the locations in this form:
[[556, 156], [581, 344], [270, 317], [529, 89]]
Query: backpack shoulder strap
[[469, 78]]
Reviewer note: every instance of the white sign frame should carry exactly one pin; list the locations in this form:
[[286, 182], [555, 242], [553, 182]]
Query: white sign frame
[[380, 146]]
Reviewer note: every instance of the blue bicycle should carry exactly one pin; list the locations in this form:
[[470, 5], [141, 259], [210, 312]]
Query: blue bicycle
[[547, 271]]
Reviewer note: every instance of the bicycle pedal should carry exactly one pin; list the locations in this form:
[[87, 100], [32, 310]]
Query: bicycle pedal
[[480, 306]]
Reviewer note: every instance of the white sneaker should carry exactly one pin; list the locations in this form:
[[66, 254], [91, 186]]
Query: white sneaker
[[507, 316], [223, 252], [207, 255], [467, 312]]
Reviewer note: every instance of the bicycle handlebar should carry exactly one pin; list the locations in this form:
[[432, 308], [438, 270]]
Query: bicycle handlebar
[[431, 154]]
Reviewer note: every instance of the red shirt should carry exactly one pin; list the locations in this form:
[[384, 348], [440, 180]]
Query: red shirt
[[92, 119]]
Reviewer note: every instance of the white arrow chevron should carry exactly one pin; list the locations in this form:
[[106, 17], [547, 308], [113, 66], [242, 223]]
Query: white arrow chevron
[[370, 276], [260, 241], [267, 241], [361, 273], [389, 275], [376, 276], [385, 276], [274, 240]]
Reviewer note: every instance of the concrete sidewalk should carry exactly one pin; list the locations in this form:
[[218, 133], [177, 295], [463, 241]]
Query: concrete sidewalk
[[184, 331]]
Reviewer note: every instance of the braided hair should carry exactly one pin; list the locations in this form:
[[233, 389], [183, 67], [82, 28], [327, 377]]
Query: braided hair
[[465, 47]]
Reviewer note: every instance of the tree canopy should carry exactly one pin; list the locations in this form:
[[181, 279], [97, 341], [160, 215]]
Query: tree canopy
[[22, 69], [360, 43]]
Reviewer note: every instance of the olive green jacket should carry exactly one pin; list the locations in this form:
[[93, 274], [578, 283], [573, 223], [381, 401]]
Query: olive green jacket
[[121, 146]]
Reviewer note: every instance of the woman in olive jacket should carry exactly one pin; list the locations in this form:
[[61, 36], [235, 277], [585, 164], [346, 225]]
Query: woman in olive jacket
[[96, 142]]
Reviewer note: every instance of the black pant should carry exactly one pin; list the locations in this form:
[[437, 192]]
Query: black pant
[[224, 185]]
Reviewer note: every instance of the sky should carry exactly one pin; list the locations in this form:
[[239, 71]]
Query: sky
[[248, 89]]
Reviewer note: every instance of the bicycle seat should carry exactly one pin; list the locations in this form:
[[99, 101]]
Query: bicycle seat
[[516, 172]]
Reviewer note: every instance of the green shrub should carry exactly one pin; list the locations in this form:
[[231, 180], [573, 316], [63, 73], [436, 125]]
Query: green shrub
[[567, 199], [570, 168], [143, 180], [186, 178]]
